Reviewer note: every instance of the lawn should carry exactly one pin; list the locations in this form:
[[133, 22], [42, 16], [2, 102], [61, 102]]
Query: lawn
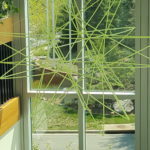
[[47, 115]]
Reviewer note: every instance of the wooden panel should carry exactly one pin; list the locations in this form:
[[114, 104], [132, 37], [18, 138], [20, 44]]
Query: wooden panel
[[6, 30], [9, 114]]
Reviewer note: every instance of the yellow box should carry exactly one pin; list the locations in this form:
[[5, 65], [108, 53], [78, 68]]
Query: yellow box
[[6, 30], [9, 114]]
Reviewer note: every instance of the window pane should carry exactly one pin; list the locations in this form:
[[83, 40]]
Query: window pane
[[109, 48], [52, 46], [110, 124], [54, 123], [109, 66], [110, 111]]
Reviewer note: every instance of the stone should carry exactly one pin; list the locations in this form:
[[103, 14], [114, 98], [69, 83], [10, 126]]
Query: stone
[[127, 105]]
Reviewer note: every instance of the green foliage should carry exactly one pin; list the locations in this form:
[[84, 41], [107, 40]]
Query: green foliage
[[7, 7], [120, 73], [44, 23], [108, 65], [38, 23]]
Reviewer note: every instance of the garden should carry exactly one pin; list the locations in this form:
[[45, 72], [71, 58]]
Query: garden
[[54, 114]]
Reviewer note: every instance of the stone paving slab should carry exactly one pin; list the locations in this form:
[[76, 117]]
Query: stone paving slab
[[94, 141], [119, 127]]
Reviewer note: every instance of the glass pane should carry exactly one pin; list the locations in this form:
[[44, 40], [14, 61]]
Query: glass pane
[[109, 48], [54, 123], [110, 66], [110, 124], [110, 142], [52, 47], [110, 111]]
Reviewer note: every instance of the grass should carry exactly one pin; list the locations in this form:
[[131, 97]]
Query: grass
[[55, 117]]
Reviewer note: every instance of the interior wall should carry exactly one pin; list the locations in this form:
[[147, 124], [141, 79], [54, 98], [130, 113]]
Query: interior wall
[[11, 140]]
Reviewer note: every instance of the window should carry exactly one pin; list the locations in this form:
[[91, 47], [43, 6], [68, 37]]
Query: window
[[81, 53]]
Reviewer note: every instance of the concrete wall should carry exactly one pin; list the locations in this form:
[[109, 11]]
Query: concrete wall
[[11, 140]]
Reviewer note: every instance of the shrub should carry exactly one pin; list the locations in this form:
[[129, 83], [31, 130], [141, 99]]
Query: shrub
[[7, 7]]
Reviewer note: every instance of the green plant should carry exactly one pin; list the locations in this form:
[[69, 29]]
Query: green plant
[[7, 7]]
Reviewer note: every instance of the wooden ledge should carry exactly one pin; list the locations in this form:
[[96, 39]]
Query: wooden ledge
[[9, 114], [6, 30]]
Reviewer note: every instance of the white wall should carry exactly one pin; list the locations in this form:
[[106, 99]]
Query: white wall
[[11, 140]]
